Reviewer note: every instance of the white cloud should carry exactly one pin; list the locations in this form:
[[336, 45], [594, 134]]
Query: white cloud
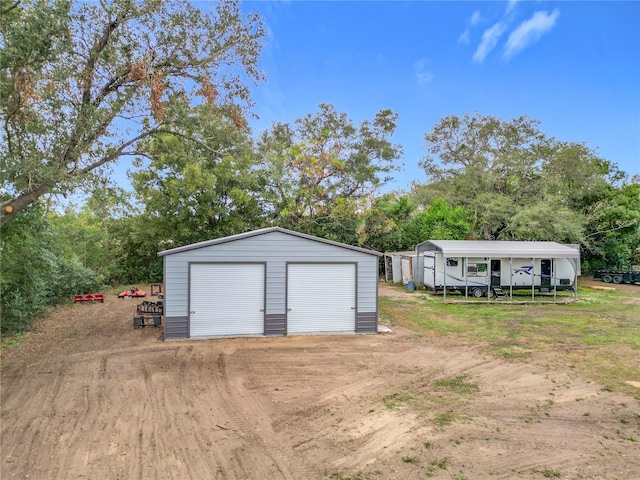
[[422, 74], [490, 39], [510, 6], [529, 32], [465, 37]]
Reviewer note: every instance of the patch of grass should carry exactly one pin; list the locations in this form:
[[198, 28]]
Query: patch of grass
[[10, 342], [447, 418], [340, 476], [440, 463], [458, 385], [396, 400], [547, 473], [409, 459], [509, 353], [515, 332]]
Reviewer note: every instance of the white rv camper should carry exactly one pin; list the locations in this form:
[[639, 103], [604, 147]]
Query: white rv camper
[[485, 268]]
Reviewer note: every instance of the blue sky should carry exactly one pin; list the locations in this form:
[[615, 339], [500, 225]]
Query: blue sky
[[574, 66]]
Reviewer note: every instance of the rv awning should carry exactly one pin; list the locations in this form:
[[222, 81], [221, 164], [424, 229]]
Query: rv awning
[[498, 249]]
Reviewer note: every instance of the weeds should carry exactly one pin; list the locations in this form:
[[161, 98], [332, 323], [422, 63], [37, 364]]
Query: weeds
[[440, 463], [396, 400], [550, 473], [458, 385], [340, 476]]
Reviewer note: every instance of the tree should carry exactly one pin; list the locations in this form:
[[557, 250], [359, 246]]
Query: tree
[[82, 84], [319, 171], [194, 191], [36, 273], [438, 222], [94, 233], [613, 228], [383, 227], [518, 183]]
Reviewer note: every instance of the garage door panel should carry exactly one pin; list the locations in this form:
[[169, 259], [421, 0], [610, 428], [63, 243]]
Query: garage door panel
[[321, 298], [226, 299]]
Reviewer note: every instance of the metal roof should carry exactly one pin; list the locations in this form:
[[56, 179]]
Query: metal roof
[[499, 249], [263, 231]]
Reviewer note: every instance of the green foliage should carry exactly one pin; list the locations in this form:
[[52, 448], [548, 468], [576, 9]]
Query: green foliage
[[36, 273], [519, 184], [613, 223], [193, 191], [322, 170], [438, 222], [81, 84], [383, 226]]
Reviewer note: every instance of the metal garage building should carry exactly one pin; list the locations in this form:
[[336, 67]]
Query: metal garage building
[[269, 282]]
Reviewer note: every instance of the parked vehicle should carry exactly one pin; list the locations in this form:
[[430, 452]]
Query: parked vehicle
[[484, 268], [617, 276]]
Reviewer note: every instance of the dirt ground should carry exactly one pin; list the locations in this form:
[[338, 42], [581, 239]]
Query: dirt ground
[[86, 396]]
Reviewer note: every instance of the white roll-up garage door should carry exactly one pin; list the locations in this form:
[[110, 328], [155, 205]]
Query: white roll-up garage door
[[321, 298], [226, 299]]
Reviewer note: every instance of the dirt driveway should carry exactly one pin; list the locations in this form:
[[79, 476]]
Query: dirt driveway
[[86, 396]]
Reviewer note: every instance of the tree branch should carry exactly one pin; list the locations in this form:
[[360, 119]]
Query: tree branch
[[10, 7], [632, 222]]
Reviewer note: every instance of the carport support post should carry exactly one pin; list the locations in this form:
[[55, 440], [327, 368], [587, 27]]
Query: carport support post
[[511, 278], [466, 277], [489, 280], [553, 277], [533, 279], [444, 277], [575, 279]]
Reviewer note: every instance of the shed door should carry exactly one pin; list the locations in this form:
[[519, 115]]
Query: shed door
[[407, 270], [226, 299], [321, 298]]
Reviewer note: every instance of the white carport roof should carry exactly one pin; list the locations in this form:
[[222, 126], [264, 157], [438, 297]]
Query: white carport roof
[[498, 249]]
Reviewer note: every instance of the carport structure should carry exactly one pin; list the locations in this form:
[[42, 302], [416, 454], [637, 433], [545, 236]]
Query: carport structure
[[484, 268]]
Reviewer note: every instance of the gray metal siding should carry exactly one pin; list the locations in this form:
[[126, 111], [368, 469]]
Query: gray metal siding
[[367, 278], [366, 322], [275, 249], [176, 327], [275, 324]]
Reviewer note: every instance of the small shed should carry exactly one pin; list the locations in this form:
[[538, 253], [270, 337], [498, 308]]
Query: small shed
[[271, 281], [393, 271], [486, 267]]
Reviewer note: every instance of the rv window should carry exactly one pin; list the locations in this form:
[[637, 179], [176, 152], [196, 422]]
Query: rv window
[[452, 262], [477, 269]]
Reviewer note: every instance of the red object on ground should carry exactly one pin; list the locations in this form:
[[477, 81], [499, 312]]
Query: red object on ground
[[133, 292], [89, 297]]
